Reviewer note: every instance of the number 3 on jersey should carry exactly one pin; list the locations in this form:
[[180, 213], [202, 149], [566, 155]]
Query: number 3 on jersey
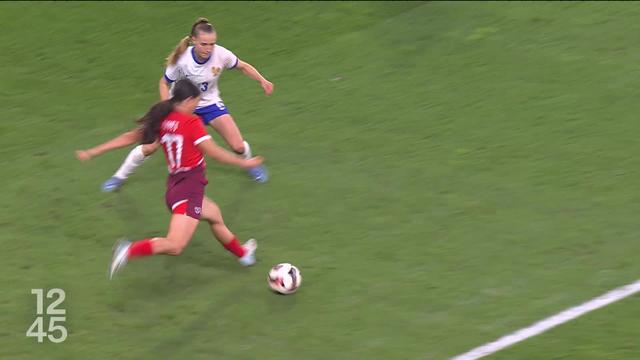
[[204, 86], [173, 146]]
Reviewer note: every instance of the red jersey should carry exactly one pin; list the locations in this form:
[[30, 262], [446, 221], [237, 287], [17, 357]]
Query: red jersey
[[179, 135]]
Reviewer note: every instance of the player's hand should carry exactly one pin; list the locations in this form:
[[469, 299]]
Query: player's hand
[[83, 155], [253, 162], [267, 86]]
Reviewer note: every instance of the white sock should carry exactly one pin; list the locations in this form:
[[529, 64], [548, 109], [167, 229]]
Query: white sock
[[133, 160], [247, 150]]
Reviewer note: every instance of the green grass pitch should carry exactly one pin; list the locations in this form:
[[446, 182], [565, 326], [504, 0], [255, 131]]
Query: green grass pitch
[[443, 173]]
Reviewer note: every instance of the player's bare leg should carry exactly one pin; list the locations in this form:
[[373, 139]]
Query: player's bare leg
[[212, 214], [227, 128], [181, 229]]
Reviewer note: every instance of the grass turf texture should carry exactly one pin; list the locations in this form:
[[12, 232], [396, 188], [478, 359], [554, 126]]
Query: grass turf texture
[[442, 174]]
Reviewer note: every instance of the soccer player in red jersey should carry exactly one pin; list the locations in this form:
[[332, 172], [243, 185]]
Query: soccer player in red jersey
[[172, 125]]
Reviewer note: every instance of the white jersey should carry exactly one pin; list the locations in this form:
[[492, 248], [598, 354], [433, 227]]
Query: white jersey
[[204, 74]]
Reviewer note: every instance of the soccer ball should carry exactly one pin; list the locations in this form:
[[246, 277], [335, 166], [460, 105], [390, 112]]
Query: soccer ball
[[284, 278]]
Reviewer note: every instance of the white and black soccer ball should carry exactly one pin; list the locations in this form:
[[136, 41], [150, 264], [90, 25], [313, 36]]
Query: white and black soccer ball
[[284, 278]]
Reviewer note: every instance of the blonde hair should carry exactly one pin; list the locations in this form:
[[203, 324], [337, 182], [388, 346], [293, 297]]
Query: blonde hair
[[201, 25]]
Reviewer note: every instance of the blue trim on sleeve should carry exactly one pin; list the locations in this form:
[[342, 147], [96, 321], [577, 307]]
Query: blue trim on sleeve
[[167, 78], [236, 64]]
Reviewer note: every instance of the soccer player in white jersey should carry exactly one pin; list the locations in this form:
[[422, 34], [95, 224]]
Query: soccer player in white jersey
[[203, 62]]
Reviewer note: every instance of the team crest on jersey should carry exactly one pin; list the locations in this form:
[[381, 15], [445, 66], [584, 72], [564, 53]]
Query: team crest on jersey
[[216, 71]]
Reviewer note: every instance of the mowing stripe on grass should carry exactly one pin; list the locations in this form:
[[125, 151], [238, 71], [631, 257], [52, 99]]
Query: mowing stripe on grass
[[551, 322]]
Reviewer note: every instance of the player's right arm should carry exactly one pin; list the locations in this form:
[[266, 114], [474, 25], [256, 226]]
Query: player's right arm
[[214, 151], [171, 73], [125, 139], [164, 88]]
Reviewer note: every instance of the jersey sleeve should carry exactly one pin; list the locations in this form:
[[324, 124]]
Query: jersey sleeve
[[197, 132], [172, 73], [230, 59]]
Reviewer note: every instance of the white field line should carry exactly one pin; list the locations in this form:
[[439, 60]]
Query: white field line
[[550, 322]]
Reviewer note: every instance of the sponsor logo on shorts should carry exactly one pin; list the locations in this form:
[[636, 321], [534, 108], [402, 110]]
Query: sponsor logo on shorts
[[198, 209]]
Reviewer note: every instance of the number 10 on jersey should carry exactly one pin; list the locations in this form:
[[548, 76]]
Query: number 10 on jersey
[[56, 333]]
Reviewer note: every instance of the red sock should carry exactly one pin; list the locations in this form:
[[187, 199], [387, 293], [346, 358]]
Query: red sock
[[140, 248], [235, 247]]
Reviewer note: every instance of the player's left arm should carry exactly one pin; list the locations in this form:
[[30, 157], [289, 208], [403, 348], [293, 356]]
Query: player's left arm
[[254, 74]]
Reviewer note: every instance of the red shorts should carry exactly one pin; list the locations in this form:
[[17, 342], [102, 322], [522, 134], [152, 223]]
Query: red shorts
[[185, 191]]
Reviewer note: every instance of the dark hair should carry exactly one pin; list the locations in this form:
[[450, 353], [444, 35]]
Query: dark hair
[[150, 122], [201, 25]]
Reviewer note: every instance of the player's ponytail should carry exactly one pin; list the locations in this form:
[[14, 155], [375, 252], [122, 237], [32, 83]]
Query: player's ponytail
[[182, 46], [201, 25], [151, 121]]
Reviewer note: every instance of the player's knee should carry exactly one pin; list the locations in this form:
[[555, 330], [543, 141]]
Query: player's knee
[[176, 248], [175, 251], [147, 150], [238, 147], [213, 219]]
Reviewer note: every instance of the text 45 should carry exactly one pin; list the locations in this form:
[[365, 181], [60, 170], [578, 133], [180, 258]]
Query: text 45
[[56, 331]]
